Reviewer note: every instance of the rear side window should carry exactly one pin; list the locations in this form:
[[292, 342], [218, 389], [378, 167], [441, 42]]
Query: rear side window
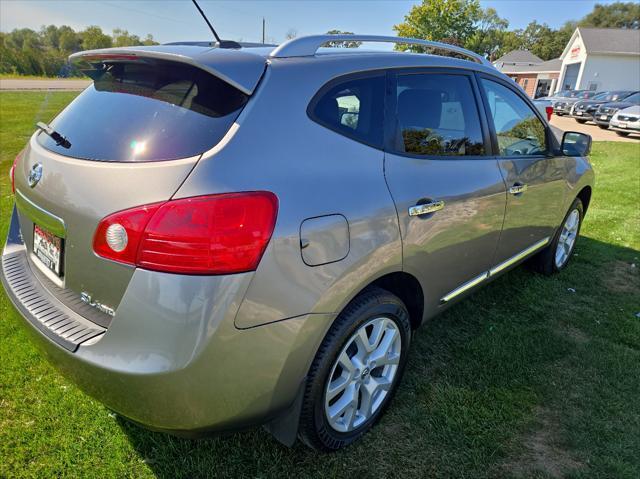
[[353, 108], [436, 115], [147, 111]]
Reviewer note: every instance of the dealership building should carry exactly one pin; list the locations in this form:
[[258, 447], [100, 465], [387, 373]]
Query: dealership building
[[594, 59]]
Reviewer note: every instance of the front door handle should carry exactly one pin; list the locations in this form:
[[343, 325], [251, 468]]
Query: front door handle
[[518, 189], [426, 208]]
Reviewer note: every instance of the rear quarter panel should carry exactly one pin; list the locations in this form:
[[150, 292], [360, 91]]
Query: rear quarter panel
[[314, 172]]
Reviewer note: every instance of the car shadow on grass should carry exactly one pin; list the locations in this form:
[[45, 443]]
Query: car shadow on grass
[[519, 380]]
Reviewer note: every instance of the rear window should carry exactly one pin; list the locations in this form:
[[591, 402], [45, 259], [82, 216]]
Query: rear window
[[147, 111]]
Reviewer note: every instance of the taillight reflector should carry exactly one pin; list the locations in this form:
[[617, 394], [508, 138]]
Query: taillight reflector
[[217, 234]]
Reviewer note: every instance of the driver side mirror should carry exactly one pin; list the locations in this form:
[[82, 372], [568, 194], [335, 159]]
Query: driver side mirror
[[575, 144]]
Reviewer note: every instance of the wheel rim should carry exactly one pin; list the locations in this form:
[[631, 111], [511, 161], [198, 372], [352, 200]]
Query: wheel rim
[[567, 238], [362, 374]]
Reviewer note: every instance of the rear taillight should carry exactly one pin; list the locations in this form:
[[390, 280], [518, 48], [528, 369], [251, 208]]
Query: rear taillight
[[12, 171], [549, 110], [218, 234]]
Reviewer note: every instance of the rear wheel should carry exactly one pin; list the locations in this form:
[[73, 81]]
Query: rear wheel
[[356, 371], [557, 255], [622, 133]]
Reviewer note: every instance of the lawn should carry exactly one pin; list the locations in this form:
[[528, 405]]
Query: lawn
[[530, 377]]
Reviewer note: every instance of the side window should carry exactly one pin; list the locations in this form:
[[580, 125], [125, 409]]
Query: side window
[[354, 108], [519, 130], [436, 115]]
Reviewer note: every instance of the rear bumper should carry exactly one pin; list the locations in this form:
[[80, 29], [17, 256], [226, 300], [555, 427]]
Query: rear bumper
[[172, 358]]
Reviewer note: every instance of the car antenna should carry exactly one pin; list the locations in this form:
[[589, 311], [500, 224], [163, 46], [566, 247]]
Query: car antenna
[[219, 43]]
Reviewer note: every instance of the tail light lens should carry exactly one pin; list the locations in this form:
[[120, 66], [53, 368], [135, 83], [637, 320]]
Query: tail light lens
[[12, 171], [549, 110], [218, 234]]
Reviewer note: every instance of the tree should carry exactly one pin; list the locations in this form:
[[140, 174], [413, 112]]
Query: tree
[[346, 44], [27, 52], [93, 38], [613, 15], [291, 33], [68, 40], [453, 20], [489, 34], [122, 38]]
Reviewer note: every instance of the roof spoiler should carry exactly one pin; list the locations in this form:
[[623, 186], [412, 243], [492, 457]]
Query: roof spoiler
[[240, 69]]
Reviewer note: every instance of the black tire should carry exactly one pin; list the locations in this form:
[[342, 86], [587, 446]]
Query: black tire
[[622, 133], [604, 127], [544, 262], [314, 429], [582, 122]]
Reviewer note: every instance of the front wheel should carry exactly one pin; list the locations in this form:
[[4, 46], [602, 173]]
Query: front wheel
[[356, 371], [603, 127], [582, 122], [557, 255]]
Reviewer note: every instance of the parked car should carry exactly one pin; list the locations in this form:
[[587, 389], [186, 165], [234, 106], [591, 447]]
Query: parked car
[[563, 106], [605, 112], [584, 110], [545, 107], [249, 236], [627, 121]]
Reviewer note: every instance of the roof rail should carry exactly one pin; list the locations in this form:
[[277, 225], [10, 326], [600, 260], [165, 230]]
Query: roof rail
[[309, 45]]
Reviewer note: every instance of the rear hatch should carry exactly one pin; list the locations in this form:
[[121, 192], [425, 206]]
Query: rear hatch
[[133, 137]]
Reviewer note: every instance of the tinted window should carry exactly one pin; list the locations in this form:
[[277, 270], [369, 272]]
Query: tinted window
[[146, 112], [436, 114], [354, 108], [519, 130], [635, 98]]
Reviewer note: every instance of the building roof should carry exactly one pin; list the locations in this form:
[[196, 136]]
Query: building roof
[[551, 66], [519, 56], [608, 40]]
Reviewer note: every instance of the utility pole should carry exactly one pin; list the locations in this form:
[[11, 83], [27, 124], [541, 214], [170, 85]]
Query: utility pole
[[263, 30]]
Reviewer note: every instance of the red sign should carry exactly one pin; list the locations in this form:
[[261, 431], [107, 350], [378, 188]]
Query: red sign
[[575, 51]]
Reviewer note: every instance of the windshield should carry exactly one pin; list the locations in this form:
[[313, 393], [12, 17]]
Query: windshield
[[147, 111], [635, 98]]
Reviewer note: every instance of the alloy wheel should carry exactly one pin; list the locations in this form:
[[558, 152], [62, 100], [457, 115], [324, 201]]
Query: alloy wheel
[[567, 238], [363, 374]]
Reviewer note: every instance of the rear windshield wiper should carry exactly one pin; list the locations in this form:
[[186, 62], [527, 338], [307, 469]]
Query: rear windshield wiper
[[55, 136]]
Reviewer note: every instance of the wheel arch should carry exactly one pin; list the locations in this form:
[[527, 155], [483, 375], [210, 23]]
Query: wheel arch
[[406, 287], [585, 196]]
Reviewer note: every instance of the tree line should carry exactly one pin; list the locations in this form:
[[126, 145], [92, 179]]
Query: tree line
[[24, 51], [464, 23]]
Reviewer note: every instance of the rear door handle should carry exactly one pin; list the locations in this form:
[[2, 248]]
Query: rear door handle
[[518, 189], [426, 208]]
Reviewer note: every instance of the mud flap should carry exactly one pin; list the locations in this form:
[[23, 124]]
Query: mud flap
[[284, 428]]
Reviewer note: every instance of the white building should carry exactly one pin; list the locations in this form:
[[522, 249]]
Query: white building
[[601, 59]]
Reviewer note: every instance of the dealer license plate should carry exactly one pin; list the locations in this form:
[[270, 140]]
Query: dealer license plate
[[603, 117], [579, 113], [622, 124], [48, 249]]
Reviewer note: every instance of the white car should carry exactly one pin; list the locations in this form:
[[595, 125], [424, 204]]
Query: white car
[[626, 121]]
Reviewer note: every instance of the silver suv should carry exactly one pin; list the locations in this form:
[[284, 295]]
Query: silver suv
[[208, 239]]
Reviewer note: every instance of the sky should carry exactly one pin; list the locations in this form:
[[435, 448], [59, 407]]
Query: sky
[[173, 20]]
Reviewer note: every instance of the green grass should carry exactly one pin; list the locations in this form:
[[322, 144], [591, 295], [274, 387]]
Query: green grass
[[525, 378]]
